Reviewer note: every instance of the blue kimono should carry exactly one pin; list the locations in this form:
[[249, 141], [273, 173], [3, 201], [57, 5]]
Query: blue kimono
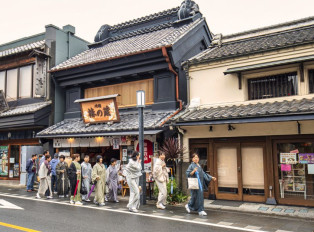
[[196, 202]]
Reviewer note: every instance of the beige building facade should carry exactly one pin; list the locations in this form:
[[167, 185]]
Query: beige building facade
[[250, 114]]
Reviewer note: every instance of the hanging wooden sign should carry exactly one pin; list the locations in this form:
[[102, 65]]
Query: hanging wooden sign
[[3, 102], [99, 109]]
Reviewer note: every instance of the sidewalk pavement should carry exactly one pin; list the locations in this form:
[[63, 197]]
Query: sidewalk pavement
[[238, 206], [259, 208]]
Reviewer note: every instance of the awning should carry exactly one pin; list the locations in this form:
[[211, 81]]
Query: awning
[[116, 133], [268, 64]]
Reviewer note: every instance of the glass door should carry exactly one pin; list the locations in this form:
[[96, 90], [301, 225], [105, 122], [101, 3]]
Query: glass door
[[14, 161]]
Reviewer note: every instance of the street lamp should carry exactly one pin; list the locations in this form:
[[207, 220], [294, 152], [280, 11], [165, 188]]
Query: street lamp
[[140, 103]]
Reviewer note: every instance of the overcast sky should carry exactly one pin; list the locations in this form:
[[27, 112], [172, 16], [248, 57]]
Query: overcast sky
[[21, 18]]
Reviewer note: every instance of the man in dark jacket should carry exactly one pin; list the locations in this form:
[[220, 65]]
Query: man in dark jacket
[[31, 171]]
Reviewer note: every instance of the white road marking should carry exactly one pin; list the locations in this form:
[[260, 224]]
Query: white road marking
[[253, 227], [283, 231], [7, 205], [138, 214], [225, 223]]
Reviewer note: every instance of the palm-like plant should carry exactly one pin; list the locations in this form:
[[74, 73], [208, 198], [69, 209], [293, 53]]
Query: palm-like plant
[[172, 149]]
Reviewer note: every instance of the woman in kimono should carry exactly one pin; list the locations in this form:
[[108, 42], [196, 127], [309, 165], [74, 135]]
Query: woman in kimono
[[62, 177], [74, 176], [99, 175], [112, 181], [196, 202], [133, 173], [161, 178], [87, 176], [45, 178]]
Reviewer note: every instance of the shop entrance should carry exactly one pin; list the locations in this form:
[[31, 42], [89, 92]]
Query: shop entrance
[[240, 171]]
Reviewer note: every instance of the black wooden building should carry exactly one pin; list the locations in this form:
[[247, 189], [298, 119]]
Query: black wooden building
[[145, 53]]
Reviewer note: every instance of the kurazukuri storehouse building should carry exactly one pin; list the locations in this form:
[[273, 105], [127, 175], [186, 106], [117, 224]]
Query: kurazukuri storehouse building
[[27, 94], [250, 114], [99, 85]]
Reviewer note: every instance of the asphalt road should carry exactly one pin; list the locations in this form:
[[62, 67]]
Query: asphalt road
[[58, 215]]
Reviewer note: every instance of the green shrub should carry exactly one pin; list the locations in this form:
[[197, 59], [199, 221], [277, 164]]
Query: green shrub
[[177, 197]]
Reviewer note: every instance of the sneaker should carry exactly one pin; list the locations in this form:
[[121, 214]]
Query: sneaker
[[55, 192], [187, 208], [78, 203], [160, 206], [29, 190], [134, 210], [116, 201], [61, 196], [67, 196], [72, 202], [202, 213], [38, 196], [106, 199], [88, 200], [102, 204], [49, 197]]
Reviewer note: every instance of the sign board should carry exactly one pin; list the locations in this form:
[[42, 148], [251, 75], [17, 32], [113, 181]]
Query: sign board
[[306, 158], [148, 155], [99, 109], [288, 158], [3, 102]]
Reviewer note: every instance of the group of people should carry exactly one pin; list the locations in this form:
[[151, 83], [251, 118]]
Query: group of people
[[79, 180]]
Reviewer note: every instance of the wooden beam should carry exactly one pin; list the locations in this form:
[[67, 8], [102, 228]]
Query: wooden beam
[[302, 72], [240, 80]]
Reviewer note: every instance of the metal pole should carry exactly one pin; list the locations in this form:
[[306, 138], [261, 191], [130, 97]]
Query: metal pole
[[141, 149]]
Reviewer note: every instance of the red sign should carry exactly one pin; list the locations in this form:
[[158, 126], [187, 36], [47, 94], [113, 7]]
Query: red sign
[[148, 154]]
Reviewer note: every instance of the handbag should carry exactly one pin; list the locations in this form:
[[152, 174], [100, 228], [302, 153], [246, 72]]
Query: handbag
[[193, 183], [84, 189]]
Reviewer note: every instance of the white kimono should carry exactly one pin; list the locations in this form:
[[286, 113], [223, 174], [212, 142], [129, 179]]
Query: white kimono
[[45, 180], [161, 177]]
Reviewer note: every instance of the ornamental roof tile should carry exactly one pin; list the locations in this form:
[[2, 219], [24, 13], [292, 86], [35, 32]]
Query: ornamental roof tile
[[141, 40], [270, 38], [23, 48], [25, 109], [128, 122], [292, 107]]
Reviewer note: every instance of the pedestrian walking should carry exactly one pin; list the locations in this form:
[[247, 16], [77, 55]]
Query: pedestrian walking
[[196, 202], [74, 173], [87, 176], [31, 171], [133, 173], [112, 181], [161, 177], [54, 163], [99, 175], [62, 177], [45, 178]]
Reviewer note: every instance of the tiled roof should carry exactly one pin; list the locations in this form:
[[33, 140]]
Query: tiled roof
[[23, 48], [130, 43], [304, 106], [256, 42], [25, 109], [145, 19], [128, 122]]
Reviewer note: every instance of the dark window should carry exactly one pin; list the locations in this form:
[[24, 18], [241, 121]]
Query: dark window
[[273, 86], [311, 81]]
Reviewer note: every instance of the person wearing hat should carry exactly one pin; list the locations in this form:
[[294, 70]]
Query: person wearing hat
[[99, 176], [54, 179]]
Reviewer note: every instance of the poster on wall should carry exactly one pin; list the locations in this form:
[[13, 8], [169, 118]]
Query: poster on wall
[[288, 158], [306, 158], [116, 143], [4, 160], [148, 154]]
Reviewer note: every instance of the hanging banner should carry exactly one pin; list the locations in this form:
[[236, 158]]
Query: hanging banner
[[99, 109], [3, 160], [306, 158], [148, 154], [288, 158]]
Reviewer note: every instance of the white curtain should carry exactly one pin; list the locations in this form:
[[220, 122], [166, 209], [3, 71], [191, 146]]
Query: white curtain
[[25, 90], [227, 167], [11, 84]]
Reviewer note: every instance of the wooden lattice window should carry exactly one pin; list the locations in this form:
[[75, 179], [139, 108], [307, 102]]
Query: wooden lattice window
[[127, 92], [273, 86], [311, 81]]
